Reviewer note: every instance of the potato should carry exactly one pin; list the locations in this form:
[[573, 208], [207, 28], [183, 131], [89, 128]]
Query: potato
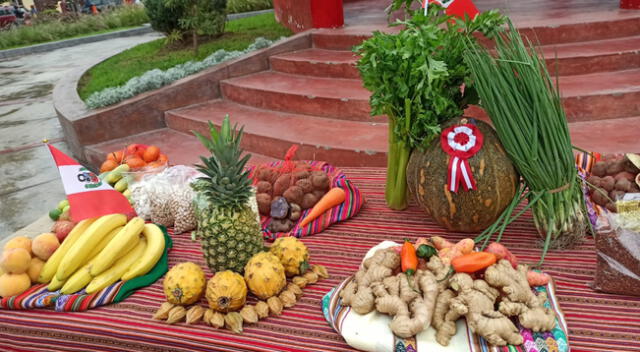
[[599, 198], [611, 206], [319, 193], [634, 188], [300, 175], [608, 183], [626, 175], [264, 187], [279, 208], [280, 225], [308, 201], [301, 165], [615, 167], [294, 194], [295, 212], [623, 185], [320, 180], [599, 169], [305, 185], [264, 203], [264, 174], [282, 183], [615, 195]]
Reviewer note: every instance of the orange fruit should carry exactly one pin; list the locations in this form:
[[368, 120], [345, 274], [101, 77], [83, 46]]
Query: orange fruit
[[136, 163], [155, 164], [108, 165], [163, 158], [117, 156], [132, 149], [151, 154]]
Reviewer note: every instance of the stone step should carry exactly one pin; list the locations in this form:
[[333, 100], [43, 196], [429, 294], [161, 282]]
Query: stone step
[[181, 148], [271, 133], [608, 136], [337, 98], [317, 62], [543, 34], [593, 56]]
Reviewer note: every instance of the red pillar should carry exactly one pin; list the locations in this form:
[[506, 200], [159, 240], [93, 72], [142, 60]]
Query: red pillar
[[630, 4], [300, 15], [327, 13]]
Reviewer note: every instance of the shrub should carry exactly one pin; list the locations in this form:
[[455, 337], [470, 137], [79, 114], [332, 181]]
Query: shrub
[[202, 17], [163, 18], [57, 28], [157, 78]]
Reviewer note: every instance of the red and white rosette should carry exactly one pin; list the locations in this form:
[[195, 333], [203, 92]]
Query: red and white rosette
[[461, 142]]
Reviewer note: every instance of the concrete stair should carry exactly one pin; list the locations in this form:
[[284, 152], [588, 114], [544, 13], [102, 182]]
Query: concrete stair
[[315, 98]]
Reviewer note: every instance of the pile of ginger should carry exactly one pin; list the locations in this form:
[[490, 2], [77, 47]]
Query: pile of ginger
[[435, 296]]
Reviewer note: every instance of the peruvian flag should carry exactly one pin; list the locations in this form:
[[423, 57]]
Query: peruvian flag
[[88, 196], [456, 8]]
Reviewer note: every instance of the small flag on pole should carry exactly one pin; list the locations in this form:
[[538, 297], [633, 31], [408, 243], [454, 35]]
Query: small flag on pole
[[89, 197], [456, 8]]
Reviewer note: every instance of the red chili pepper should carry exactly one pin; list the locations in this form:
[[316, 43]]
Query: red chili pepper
[[472, 262]]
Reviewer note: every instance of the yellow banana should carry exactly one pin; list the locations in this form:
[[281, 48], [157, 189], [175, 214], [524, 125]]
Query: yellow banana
[[127, 193], [55, 284], [155, 247], [78, 254], [77, 281], [123, 242], [114, 273], [51, 266], [116, 174], [105, 241]]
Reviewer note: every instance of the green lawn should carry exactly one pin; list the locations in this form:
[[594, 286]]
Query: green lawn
[[118, 69], [76, 36]]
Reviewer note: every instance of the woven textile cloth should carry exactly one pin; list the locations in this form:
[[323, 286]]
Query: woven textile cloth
[[596, 321]]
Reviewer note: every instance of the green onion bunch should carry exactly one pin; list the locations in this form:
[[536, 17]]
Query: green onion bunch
[[524, 105]]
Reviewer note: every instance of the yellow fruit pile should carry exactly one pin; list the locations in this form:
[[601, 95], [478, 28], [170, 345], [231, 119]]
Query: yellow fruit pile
[[96, 253], [226, 291], [22, 260]]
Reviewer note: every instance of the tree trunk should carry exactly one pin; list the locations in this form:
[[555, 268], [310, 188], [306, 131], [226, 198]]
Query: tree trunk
[[195, 42]]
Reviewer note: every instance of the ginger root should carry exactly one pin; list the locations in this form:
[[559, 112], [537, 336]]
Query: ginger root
[[358, 293], [519, 300], [475, 301], [411, 310], [444, 319]]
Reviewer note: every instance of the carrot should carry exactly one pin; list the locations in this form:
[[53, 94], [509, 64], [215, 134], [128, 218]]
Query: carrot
[[334, 197], [472, 262], [536, 278]]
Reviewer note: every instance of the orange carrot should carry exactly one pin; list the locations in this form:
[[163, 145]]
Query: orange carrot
[[334, 197], [472, 262]]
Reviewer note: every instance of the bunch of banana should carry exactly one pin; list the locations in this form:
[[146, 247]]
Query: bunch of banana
[[99, 252], [115, 179]]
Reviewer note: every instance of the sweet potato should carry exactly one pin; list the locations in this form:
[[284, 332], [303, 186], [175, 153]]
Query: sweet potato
[[536, 278], [264, 187], [623, 185], [598, 197], [306, 185], [294, 194], [282, 184], [308, 201], [502, 252], [264, 203], [440, 242]]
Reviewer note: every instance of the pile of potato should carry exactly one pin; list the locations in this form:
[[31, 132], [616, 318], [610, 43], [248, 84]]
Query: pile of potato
[[612, 178], [283, 196]]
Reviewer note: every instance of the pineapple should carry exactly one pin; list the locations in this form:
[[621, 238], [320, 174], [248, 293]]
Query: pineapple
[[228, 227]]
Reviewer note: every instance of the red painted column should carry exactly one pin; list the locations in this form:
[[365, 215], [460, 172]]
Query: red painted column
[[630, 4], [327, 13]]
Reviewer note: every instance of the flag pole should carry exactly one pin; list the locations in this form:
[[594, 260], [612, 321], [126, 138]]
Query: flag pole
[[426, 6]]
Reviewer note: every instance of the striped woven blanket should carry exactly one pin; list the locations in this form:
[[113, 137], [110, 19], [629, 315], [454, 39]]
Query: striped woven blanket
[[597, 322]]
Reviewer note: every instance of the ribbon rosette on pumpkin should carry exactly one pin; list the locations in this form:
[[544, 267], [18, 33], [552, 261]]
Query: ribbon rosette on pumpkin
[[461, 142]]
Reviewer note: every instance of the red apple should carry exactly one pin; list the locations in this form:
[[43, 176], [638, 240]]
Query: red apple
[[62, 228]]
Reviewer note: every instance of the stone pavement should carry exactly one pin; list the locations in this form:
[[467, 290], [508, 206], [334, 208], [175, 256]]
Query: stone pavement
[[29, 181]]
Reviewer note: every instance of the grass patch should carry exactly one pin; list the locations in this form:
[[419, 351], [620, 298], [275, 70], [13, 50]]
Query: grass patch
[[117, 70], [64, 28], [237, 6], [76, 36]]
